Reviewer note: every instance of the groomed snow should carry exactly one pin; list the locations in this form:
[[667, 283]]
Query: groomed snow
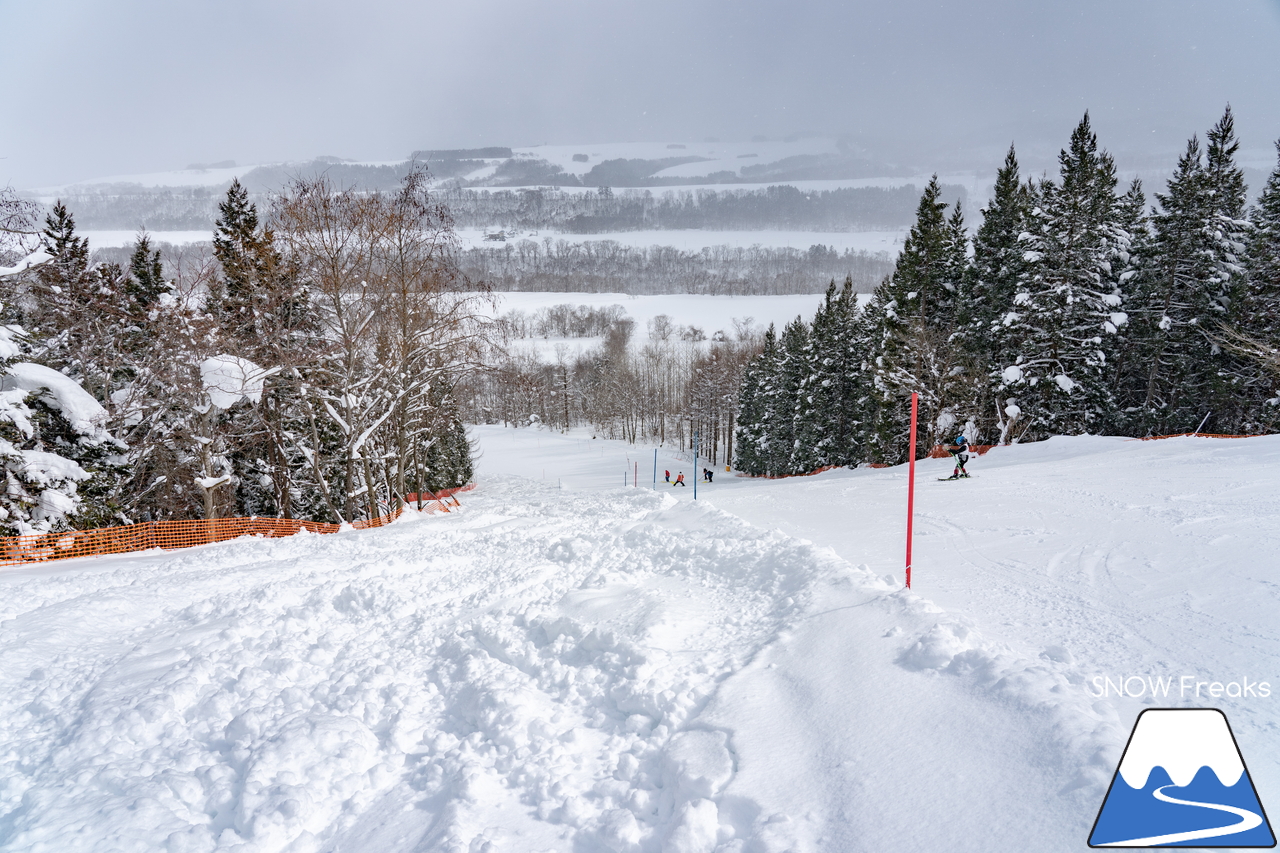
[[569, 665]]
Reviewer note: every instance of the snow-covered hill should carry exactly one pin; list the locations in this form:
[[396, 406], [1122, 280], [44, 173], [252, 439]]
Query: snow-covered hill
[[569, 665]]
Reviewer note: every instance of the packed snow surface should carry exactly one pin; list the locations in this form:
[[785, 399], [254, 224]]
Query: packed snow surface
[[570, 665]]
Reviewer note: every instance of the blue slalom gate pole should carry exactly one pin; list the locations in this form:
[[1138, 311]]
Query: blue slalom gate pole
[[655, 469]]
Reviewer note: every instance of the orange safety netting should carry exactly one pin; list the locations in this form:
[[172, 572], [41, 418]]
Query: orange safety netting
[[1195, 434], [940, 452], [170, 535]]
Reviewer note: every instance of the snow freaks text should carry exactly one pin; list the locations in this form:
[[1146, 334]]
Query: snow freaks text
[[1182, 687]]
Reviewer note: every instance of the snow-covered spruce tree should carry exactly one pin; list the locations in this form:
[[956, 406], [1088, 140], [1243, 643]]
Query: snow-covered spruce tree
[[1262, 301], [59, 463], [998, 253], [1068, 305], [998, 265], [830, 405], [916, 348], [264, 315], [815, 426], [1255, 335], [444, 462], [750, 441], [860, 407], [782, 399], [1187, 291], [1128, 373], [146, 282]]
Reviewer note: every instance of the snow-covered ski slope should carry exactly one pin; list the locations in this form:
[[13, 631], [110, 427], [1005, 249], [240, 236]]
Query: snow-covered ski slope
[[566, 665]]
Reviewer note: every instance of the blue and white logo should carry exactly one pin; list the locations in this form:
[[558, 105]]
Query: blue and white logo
[[1182, 783]]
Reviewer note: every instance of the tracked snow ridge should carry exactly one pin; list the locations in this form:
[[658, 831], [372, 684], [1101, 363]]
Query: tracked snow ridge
[[526, 674]]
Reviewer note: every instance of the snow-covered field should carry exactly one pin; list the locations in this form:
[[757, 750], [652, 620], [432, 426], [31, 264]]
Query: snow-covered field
[[570, 665], [709, 313]]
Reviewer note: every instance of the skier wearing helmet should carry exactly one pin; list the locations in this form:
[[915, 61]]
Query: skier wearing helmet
[[959, 450]]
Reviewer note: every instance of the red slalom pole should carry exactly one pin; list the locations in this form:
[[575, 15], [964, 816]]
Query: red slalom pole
[[911, 482]]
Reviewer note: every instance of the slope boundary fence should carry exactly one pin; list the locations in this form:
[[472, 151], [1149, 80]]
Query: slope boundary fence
[[1194, 435], [172, 535]]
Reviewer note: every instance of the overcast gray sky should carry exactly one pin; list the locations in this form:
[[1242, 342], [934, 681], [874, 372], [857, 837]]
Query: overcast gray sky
[[100, 88]]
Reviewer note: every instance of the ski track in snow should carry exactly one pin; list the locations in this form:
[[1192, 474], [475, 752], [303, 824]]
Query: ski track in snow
[[596, 669], [522, 675]]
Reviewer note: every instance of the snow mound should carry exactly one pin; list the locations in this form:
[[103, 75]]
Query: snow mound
[[39, 256], [228, 379], [82, 411]]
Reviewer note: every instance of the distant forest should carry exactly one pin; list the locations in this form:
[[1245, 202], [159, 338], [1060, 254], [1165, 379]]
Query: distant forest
[[605, 266], [783, 208]]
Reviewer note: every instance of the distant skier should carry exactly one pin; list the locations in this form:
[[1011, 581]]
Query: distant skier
[[710, 475], [959, 450], [667, 475], [679, 479]]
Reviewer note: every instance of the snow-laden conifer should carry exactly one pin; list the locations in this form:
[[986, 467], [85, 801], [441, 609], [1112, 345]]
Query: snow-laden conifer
[[916, 348], [1188, 291], [1068, 303], [749, 436]]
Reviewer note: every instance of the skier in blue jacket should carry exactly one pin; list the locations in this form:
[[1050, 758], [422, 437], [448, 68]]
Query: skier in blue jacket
[[959, 450]]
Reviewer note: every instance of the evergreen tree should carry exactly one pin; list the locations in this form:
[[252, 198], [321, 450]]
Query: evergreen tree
[[858, 394], [999, 263], [69, 252], [1062, 325], [784, 398], [998, 254], [264, 314], [1263, 303], [240, 249], [1128, 371], [816, 423], [915, 310], [146, 282], [1188, 290], [1258, 319], [447, 461], [749, 437], [842, 376]]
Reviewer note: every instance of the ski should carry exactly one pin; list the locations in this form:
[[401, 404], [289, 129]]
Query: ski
[[945, 479]]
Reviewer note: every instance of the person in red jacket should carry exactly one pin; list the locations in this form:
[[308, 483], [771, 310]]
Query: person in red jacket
[[679, 479]]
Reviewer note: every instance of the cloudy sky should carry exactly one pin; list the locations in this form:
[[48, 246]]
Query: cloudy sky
[[101, 88]]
